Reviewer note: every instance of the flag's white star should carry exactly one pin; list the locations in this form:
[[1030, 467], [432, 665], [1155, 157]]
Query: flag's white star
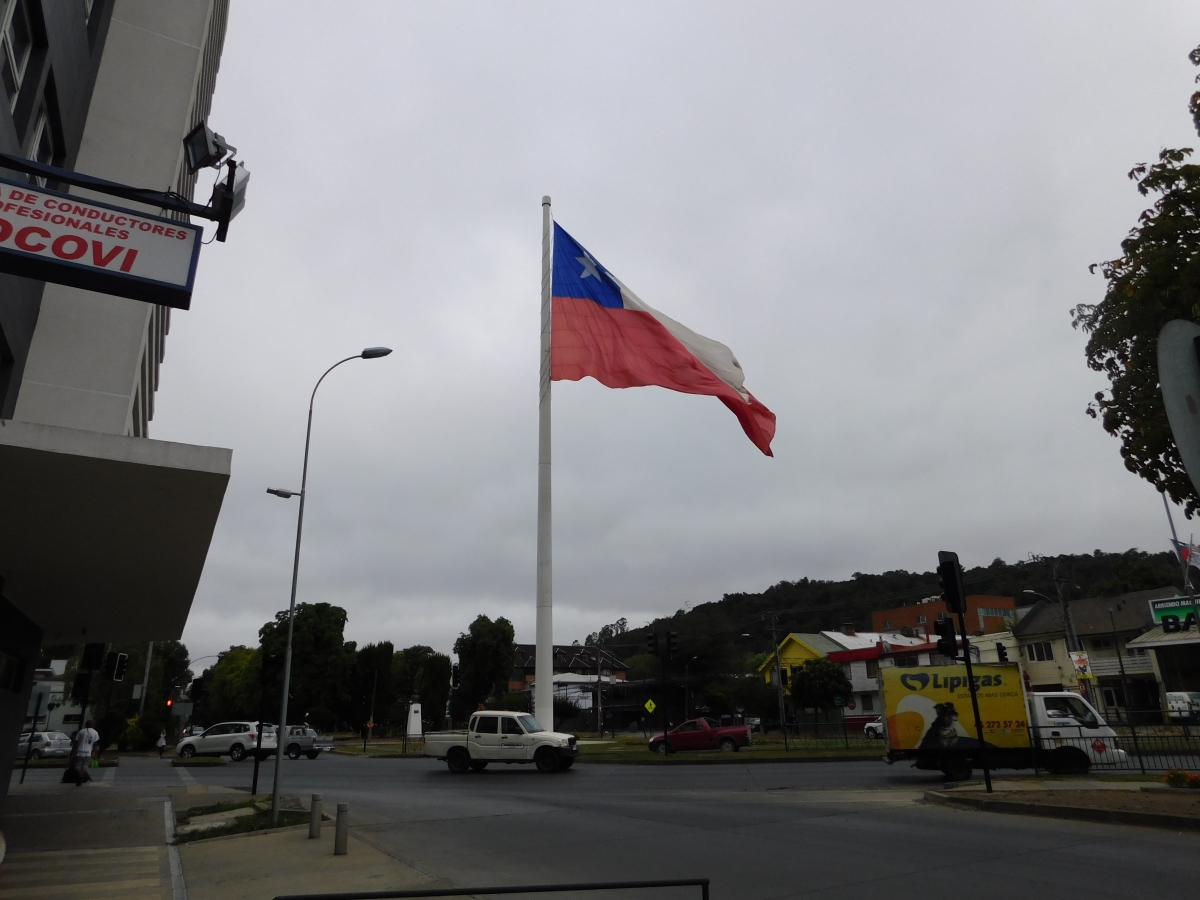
[[589, 268]]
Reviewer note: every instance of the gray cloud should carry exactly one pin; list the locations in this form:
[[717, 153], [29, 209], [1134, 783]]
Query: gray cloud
[[886, 211]]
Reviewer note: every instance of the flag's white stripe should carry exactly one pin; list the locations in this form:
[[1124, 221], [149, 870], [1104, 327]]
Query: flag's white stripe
[[718, 358]]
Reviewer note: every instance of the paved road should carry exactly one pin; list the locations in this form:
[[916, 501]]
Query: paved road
[[759, 831]]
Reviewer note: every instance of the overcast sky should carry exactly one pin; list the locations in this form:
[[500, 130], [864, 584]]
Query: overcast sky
[[885, 210]]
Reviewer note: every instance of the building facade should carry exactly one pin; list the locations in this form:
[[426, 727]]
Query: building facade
[[985, 615], [105, 532]]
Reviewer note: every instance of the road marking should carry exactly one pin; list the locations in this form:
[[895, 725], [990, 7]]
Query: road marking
[[96, 874]]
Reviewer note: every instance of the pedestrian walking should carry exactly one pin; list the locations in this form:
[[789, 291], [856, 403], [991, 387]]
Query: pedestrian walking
[[83, 745], [162, 743]]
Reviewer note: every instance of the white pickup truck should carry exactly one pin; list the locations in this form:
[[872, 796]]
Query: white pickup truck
[[502, 737]]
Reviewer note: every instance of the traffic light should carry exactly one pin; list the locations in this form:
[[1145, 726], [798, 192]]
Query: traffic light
[[1001, 652], [652, 644], [950, 573], [115, 666], [947, 643], [672, 644], [170, 704], [454, 676], [81, 688], [93, 657]]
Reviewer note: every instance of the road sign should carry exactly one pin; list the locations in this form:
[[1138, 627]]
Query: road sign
[[650, 706]]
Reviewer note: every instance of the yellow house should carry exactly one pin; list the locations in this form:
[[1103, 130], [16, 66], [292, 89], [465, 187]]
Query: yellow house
[[794, 651]]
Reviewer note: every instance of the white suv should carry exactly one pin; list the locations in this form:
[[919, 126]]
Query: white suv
[[237, 740], [45, 743]]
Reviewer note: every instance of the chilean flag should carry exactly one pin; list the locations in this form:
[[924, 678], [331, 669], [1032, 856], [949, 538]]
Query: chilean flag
[[600, 328]]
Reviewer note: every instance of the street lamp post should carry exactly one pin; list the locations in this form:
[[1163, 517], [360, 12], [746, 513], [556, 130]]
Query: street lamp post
[[368, 353]]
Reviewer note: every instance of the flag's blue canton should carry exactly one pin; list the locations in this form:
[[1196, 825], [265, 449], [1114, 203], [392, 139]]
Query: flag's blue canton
[[577, 274]]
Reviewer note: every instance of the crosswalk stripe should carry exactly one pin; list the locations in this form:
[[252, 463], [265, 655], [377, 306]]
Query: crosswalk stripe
[[75, 875]]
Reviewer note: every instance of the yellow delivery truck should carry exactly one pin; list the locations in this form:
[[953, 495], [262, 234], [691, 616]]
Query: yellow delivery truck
[[929, 720]]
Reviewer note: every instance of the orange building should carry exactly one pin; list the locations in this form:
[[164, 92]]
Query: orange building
[[985, 615]]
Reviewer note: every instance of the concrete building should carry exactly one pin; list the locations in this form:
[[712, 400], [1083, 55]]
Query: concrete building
[[1107, 628], [104, 532], [860, 653], [985, 615]]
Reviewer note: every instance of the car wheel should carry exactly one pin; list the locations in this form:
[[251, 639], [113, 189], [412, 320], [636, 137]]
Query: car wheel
[[237, 753], [566, 764], [478, 765], [729, 745], [313, 754], [187, 751], [293, 751], [458, 761], [547, 761], [1068, 761]]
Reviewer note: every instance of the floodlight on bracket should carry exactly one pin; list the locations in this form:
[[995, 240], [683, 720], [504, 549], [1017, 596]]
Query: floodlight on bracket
[[201, 147]]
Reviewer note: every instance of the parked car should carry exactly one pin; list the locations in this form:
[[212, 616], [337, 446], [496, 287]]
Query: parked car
[[303, 740], [701, 734], [874, 728], [237, 740], [45, 744], [1183, 706], [502, 736]]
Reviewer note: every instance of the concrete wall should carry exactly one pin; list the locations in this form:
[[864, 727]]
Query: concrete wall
[[93, 362], [20, 639], [59, 78]]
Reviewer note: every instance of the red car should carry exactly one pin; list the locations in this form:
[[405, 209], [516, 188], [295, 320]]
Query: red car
[[701, 734]]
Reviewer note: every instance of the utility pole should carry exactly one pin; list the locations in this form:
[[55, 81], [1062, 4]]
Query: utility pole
[[599, 691], [146, 678], [779, 678]]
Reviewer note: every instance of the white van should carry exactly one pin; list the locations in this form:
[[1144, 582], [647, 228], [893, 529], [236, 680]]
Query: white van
[[1183, 706]]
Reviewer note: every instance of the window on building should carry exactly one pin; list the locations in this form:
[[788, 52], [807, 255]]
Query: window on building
[[1114, 697], [943, 616], [920, 620], [1042, 651], [872, 668], [1102, 643], [907, 661], [784, 675], [1135, 651], [868, 703], [16, 44], [887, 625], [994, 612]]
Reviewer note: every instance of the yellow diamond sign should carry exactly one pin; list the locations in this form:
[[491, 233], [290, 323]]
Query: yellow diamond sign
[[649, 706]]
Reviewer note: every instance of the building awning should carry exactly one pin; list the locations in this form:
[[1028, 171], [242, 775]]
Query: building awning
[[103, 537], [1156, 638]]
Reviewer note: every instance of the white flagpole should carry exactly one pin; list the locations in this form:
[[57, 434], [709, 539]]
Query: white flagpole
[[543, 695]]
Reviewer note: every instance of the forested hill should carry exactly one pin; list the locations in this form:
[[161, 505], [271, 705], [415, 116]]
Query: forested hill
[[713, 631]]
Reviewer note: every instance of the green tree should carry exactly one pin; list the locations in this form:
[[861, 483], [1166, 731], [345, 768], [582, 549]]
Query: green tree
[[372, 686], [321, 664], [228, 688], [486, 655], [423, 673], [818, 684], [1156, 279]]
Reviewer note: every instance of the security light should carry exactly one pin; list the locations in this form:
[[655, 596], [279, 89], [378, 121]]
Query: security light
[[204, 147], [376, 352], [280, 492]]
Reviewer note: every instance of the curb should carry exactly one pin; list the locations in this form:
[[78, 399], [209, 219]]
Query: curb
[[1081, 813], [242, 834]]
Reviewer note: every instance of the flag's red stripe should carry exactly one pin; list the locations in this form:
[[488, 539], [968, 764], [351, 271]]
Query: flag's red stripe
[[623, 348]]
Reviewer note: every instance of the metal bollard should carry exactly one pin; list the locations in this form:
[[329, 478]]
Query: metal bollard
[[342, 829], [314, 817]]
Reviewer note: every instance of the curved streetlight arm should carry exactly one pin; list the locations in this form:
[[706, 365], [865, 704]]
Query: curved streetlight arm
[[287, 663]]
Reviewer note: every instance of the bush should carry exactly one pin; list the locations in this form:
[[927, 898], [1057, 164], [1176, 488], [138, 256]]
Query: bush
[[1179, 778], [1193, 781]]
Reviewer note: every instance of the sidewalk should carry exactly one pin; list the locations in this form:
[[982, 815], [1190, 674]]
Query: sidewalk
[[261, 866], [112, 839], [1145, 803]]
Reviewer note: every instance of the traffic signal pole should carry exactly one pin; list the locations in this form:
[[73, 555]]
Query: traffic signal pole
[[952, 584]]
